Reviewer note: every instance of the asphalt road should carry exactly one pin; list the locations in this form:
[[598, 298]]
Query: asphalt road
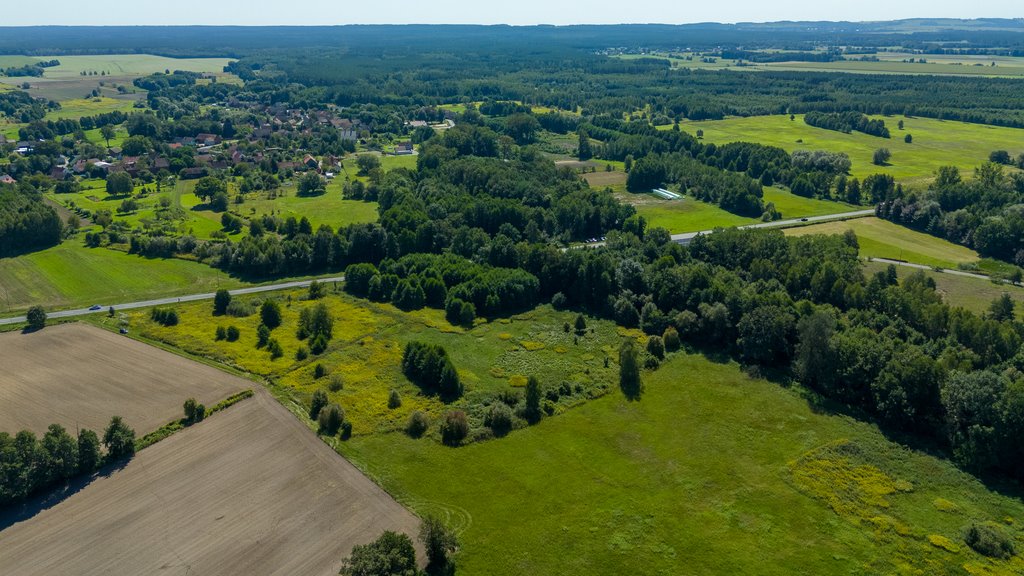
[[174, 299], [686, 238]]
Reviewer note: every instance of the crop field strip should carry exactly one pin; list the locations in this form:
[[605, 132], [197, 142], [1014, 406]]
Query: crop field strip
[[248, 491], [79, 376]]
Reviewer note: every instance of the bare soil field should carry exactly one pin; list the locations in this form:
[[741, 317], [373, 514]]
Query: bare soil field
[[79, 376], [251, 490]]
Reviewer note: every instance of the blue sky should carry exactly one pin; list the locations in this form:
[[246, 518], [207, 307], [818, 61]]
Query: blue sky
[[329, 12]]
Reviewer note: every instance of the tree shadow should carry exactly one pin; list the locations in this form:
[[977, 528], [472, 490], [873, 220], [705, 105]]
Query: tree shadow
[[20, 512]]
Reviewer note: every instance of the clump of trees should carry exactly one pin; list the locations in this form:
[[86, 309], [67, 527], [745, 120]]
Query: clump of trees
[[315, 323], [26, 222], [429, 367], [164, 316], [847, 122], [30, 465]]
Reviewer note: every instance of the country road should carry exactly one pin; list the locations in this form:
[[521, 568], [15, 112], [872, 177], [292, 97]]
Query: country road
[[687, 237], [175, 299]]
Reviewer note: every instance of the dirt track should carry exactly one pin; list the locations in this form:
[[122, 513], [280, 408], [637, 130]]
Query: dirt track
[[249, 491], [79, 376]]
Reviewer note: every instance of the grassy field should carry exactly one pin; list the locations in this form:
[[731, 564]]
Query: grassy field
[[691, 215], [76, 108], [882, 239], [71, 67], [329, 208], [71, 275], [78, 375], [971, 293], [709, 473], [247, 491], [936, 142], [888, 63], [365, 354]]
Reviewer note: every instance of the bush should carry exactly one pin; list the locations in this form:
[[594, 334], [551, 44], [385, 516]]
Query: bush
[[262, 336], [881, 156], [274, 347], [270, 313], [671, 339], [36, 318], [318, 344], [221, 301], [119, 439], [989, 540], [221, 333], [319, 371], [454, 428], [417, 425], [190, 409], [559, 301], [499, 419], [656, 347], [391, 554], [336, 383], [317, 403], [394, 399], [232, 333], [439, 542], [240, 308], [330, 419], [302, 353], [164, 316], [532, 411]]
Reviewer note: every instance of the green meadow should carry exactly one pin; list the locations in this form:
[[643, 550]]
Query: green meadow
[[71, 275], [71, 67], [935, 142], [692, 215], [971, 293], [710, 472], [882, 239]]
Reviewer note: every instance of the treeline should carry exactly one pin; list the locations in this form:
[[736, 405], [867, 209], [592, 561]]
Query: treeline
[[847, 122], [737, 193], [23, 108], [30, 465], [26, 221], [982, 213], [49, 129]]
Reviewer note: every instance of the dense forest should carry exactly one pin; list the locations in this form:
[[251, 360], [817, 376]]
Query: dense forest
[[26, 222]]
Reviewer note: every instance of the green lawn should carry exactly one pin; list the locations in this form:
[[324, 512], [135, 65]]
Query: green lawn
[[328, 208], [882, 239], [971, 293], [709, 473], [71, 275], [690, 215], [79, 107], [936, 142]]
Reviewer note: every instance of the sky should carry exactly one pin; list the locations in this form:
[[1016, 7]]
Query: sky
[[517, 12]]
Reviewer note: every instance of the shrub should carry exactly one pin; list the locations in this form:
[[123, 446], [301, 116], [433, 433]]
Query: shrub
[[656, 347], [391, 554], [164, 316], [318, 344], [319, 371], [270, 313], [439, 542], [580, 324], [989, 539], [240, 308], [428, 366], [302, 353], [559, 301], [275, 349], [317, 403], [232, 333], [330, 419], [417, 425], [394, 399], [671, 339], [881, 156], [532, 411], [336, 383], [499, 419], [221, 301], [36, 318], [221, 333], [119, 439], [262, 336], [454, 427], [190, 409], [317, 290]]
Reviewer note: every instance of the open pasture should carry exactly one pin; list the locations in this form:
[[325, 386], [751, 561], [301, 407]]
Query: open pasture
[[710, 472], [935, 142], [70, 275], [971, 293], [78, 376], [882, 239], [692, 215], [248, 491]]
